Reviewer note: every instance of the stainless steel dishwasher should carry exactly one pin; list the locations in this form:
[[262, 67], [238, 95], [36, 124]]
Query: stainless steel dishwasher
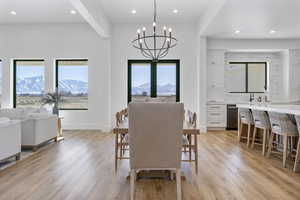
[[232, 117]]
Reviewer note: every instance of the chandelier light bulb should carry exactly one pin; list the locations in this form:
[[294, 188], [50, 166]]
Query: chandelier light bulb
[[139, 31], [144, 29], [141, 41], [165, 28], [170, 29], [154, 24]]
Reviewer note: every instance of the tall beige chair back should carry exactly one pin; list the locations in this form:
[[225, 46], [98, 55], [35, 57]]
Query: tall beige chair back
[[155, 135], [261, 119]]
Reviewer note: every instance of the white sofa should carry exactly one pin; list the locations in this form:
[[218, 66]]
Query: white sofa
[[10, 139], [37, 126]]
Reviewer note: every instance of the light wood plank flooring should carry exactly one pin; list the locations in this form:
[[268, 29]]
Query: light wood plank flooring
[[82, 167]]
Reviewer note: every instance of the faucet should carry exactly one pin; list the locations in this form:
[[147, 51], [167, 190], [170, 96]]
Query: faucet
[[251, 97]]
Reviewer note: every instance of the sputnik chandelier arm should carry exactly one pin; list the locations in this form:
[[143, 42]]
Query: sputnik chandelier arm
[[154, 46]]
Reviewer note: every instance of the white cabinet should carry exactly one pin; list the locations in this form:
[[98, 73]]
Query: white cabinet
[[215, 75], [216, 116]]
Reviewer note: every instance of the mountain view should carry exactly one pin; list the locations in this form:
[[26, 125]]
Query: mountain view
[[34, 85], [167, 89]]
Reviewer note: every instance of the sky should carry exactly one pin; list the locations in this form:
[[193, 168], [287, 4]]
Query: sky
[[73, 73], [166, 74], [30, 71]]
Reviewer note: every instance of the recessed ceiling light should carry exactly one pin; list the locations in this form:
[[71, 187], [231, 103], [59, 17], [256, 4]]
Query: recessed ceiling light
[[237, 31], [73, 12], [133, 11], [175, 11], [13, 12], [272, 32]]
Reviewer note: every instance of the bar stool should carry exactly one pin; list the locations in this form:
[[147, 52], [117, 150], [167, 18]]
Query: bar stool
[[298, 146], [246, 119], [261, 121], [281, 125]]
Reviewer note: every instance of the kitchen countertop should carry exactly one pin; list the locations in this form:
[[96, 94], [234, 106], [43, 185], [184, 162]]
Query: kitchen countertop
[[283, 108]]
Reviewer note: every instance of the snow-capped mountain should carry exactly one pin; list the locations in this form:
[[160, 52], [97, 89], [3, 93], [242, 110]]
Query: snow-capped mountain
[[35, 85], [166, 89]]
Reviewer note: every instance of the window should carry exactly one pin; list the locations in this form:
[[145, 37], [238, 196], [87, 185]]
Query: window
[[246, 77], [72, 83], [153, 79], [29, 83], [0, 82]]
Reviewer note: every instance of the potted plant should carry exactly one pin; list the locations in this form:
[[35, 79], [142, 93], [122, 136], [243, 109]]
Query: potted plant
[[52, 98]]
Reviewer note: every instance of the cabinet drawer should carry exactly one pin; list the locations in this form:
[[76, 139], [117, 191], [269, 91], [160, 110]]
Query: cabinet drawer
[[220, 108], [216, 124]]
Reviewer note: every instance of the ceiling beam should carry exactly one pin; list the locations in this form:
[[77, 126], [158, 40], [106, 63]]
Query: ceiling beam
[[207, 18], [92, 12]]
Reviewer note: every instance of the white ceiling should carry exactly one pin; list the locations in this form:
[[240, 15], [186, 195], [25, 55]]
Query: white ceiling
[[119, 11], [37, 11], [255, 18]]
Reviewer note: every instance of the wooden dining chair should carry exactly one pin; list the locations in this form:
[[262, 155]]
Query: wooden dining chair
[[297, 158], [281, 125], [121, 141], [189, 142], [155, 134], [261, 122]]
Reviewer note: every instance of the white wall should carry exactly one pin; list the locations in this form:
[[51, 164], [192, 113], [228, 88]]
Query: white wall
[[51, 41], [122, 51]]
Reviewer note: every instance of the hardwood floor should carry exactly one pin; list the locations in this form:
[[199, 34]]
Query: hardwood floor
[[82, 167]]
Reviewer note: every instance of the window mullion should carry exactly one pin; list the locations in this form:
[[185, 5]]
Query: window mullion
[[153, 79]]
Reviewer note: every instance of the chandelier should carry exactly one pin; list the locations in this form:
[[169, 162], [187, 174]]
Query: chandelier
[[155, 45]]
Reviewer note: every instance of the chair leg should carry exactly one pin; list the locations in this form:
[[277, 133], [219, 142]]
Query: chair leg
[[264, 141], [285, 148], [248, 136], [196, 153], [132, 184], [253, 138], [178, 184], [297, 156], [270, 144]]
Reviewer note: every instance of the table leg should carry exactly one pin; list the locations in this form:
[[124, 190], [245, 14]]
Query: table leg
[[196, 153], [116, 152]]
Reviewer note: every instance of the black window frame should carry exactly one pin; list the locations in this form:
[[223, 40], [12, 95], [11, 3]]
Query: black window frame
[[56, 79], [153, 76], [246, 75], [15, 76]]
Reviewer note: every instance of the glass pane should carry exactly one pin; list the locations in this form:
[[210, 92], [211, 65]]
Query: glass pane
[[29, 83], [140, 81], [73, 84], [235, 78], [256, 77], [0, 83], [166, 82]]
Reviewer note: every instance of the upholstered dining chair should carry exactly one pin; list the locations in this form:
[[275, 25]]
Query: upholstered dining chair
[[261, 121], [155, 135], [281, 125], [297, 159], [245, 119]]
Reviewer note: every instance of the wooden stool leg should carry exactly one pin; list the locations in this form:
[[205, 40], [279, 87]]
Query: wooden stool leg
[[264, 141], [248, 136], [254, 136], [240, 132], [285, 148], [270, 144], [297, 156]]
